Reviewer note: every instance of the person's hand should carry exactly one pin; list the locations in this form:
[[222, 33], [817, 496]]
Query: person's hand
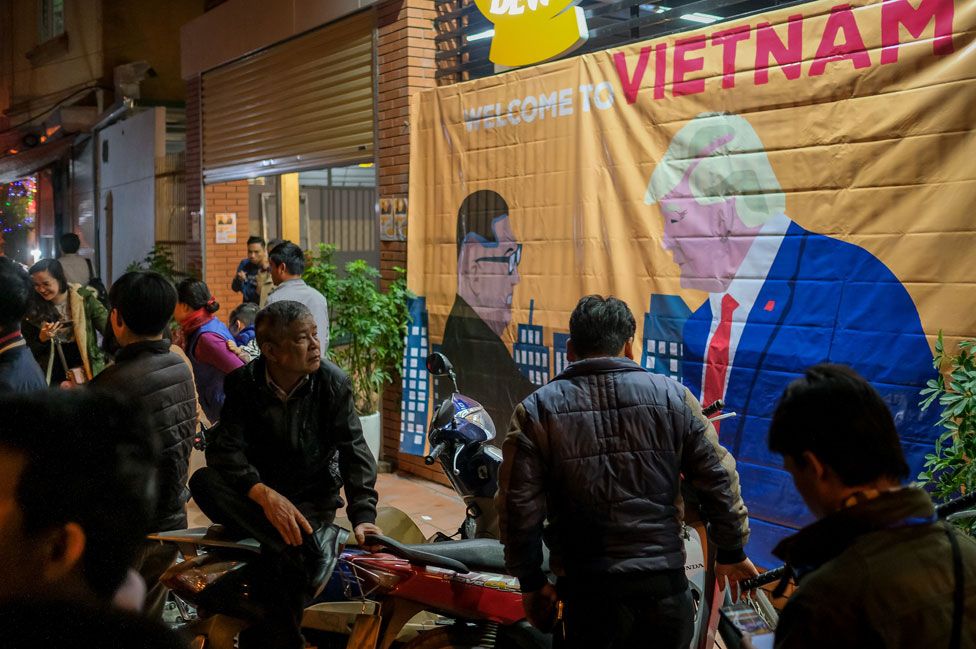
[[241, 275], [540, 607], [232, 347], [363, 529], [734, 573], [49, 330], [280, 511]]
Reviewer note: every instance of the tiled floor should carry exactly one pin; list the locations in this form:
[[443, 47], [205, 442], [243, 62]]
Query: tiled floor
[[433, 507]]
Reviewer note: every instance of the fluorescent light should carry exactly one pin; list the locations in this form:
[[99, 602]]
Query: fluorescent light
[[655, 9], [704, 19], [366, 165], [488, 33]]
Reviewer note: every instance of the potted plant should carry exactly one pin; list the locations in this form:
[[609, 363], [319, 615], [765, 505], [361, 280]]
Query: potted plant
[[950, 470], [367, 327]]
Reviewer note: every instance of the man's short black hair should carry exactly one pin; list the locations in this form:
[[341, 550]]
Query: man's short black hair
[[599, 326], [835, 414], [70, 243], [145, 300], [273, 320], [290, 255], [90, 458], [477, 215], [255, 239], [15, 294]]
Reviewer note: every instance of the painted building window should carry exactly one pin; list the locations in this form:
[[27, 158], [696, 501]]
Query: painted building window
[[50, 19]]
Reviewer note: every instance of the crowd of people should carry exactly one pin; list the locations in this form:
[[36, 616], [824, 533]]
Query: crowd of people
[[99, 410]]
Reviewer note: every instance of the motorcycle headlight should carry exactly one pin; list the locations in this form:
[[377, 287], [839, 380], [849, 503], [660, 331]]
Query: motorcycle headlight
[[478, 417]]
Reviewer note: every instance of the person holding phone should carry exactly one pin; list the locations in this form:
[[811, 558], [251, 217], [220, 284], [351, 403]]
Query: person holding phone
[[63, 324]]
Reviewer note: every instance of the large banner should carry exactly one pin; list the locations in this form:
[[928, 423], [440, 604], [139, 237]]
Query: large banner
[[792, 188]]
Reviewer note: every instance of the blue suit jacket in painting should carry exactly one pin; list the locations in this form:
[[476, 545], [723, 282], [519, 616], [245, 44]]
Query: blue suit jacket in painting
[[824, 300]]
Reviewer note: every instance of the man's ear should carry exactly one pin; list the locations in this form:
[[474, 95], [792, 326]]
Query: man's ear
[[269, 352], [628, 351], [62, 550], [571, 351], [813, 464], [117, 319]]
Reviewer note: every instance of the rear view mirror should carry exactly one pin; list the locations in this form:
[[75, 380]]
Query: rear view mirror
[[438, 364]]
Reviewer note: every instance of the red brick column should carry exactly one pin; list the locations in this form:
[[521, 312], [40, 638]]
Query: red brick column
[[406, 49], [222, 258]]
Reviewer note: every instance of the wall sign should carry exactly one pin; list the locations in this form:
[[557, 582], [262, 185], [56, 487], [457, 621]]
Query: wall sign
[[533, 31], [226, 227]]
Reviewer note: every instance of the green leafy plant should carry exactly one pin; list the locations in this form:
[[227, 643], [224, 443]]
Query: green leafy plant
[[367, 325], [321, 273], [160, 260], [950, 470]]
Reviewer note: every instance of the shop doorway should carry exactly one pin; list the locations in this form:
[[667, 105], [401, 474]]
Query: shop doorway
[[335, 206]]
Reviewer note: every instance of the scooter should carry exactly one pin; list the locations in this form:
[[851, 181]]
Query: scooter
[[459, 434]]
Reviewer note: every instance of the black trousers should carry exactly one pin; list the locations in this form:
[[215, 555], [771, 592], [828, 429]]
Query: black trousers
[[602, 620], [284, 579]]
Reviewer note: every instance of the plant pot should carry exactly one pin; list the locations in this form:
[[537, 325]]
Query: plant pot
[[373, 433]]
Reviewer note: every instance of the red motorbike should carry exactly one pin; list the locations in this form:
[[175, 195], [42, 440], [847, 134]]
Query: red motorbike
[[462, 583]]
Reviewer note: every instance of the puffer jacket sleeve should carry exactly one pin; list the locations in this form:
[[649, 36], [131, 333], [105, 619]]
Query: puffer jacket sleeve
[[710, 469], [521, 500], [227, 447]]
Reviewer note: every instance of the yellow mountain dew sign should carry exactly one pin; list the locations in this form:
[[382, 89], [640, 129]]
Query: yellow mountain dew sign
[[532, 31]]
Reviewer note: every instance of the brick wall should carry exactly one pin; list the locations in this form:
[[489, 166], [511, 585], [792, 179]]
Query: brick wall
[[405, 56], [222, 258]]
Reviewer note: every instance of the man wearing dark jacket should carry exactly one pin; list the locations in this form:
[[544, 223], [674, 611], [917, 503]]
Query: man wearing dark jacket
[[148, 373], [600, 453], [287, 440], [876, 570], [19, 372]]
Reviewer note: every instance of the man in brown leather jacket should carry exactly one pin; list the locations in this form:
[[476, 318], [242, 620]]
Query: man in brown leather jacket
[[876, 570], [599, 455]]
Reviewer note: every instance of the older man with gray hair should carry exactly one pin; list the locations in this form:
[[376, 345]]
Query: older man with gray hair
[[780, 299], [287, 440]]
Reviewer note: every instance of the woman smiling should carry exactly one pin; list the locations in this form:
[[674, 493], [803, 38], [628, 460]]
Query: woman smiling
[[64, 314]]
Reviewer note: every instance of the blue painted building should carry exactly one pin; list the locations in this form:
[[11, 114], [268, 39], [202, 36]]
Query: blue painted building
[[416, 381], [663, 335], [531, 355]]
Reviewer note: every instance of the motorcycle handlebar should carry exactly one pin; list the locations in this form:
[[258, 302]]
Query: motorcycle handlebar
[[713, 407], [434, 453], [943, 511], [957, 505], [767, 577]]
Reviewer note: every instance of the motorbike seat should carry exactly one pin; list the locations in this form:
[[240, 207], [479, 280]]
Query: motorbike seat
[[213, 536], [478, 554]]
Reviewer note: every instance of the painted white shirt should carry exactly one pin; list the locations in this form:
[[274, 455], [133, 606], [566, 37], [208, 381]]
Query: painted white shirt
[[745, 287]]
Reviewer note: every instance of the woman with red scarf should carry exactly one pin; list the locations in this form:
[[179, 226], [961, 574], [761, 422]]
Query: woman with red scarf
[[206, 343]]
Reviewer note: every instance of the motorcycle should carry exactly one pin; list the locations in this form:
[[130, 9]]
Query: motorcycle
[[461, 585]]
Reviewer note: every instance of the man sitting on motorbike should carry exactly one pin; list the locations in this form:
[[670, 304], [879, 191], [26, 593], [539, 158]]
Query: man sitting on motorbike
[[600, 453], [876, 569], [287, 440]]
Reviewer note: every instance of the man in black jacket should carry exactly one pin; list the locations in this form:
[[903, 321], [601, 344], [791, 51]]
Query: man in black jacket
[[600, 453], [876, 569], [287, 440], [148, 373], [19, 372]]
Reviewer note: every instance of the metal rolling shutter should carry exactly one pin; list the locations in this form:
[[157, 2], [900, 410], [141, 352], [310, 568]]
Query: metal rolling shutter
[[303, 104]]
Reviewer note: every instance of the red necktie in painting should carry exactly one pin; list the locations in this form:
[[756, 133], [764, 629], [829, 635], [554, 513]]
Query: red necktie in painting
[[717, 361]]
